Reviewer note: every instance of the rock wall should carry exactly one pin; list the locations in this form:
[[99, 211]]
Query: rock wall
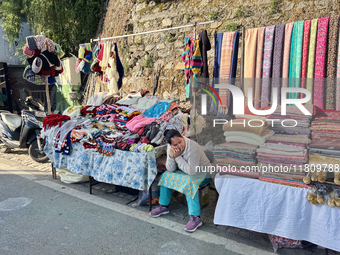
[[141, 54]]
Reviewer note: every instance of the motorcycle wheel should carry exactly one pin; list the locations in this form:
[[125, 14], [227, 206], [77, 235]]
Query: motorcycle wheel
[[34, 153]]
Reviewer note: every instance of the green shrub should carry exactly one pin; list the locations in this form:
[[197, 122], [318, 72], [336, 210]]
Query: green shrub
[[231, 26]]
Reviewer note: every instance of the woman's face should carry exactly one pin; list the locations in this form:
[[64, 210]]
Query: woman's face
[[177, 143]]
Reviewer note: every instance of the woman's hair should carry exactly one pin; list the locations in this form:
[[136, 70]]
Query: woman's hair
[[170, 133]]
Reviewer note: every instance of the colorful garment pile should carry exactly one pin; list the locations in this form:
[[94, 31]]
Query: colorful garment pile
[[43, 60]]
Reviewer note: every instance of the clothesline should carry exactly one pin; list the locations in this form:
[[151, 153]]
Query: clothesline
[[153, 31]]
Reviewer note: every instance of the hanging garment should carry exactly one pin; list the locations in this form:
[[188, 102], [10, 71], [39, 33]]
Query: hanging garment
[[120, 68], [217, 64], [205, 46], [250, 61], [277, 59], [295, 58], [311, 58], [337, 99], [305, 45], [233, 70], [267, 65], [186, 56], [320, 59], [226, 56], [331, 63], [112, 73], [286, 54], [258, 73], [196, 64]]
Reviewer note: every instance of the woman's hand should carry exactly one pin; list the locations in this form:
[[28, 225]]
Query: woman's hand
[[174, 153]]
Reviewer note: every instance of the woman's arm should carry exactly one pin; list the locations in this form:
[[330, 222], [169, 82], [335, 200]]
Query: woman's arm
[[171, 164], [190, 166]]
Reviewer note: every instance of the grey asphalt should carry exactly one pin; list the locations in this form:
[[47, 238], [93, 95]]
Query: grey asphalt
[[56, 223], [37, 219]]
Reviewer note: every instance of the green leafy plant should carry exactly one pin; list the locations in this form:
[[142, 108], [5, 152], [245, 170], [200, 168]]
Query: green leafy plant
[[171, 38], [187, 16], [146, 61], [241, 12], [231, 26], [213, 14], [273, 7]]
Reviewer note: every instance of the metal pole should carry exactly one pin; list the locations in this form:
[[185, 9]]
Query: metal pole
[[154, 31], [48, 96], [242, 60], [194, 93]]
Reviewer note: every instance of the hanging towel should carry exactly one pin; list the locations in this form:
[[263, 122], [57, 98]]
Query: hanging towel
[[305, 45], [295, 58], [337, 100], [216, 73], [226, 56], [250, 61], [286, 54], [320, 59], [267, 65], [258, 73], [277, 59], [331, 62], [233, 70], [311, 58]]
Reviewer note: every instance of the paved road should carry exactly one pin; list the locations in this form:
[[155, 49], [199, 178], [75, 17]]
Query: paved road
[[39, 215]]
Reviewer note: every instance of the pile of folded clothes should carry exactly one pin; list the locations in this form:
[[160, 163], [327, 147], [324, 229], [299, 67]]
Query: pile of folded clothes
[[236, 159], [324, 150], [238, 155], [282, 159], [295, 122]]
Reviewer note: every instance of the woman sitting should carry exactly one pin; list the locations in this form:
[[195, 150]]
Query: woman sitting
[[183, 156]]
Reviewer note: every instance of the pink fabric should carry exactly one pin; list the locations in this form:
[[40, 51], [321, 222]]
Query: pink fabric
[[100, 54], [320, 60], [305, 46], [258, 72], [286, 53], [138, 122], [284, 182], [283, 156]]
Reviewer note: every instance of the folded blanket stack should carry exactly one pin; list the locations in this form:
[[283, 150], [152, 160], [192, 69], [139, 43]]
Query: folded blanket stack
[[295, 122], [236, 158], [238, 155]]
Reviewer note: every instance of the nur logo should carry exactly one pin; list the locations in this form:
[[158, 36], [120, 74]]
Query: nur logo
[[238, 99]]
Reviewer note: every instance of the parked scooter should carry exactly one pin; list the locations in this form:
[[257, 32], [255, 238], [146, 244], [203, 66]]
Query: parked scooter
[[24, 131]]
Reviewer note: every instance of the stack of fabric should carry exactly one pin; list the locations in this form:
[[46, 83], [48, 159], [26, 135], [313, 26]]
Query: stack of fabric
[[324, 153], [233, 158], [282, 159], [238, 155], [293, 123]]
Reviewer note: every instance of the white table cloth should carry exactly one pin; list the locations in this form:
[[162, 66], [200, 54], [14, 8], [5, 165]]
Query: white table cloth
[[275, 209]]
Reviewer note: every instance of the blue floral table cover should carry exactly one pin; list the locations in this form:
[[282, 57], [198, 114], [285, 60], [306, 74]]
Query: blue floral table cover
[[135, 170]]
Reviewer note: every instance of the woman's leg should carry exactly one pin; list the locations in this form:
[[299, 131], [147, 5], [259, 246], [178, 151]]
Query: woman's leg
[[165, 196], [194, 207]]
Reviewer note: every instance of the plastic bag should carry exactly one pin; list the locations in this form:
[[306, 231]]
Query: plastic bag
[[68, 177], [143, 196], [281, 242]]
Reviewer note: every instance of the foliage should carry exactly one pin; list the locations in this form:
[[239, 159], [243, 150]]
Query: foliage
[[273, 7], [171, 38], [212, 15], [241, 12], [146, 61], [231, 26], [67, 22]]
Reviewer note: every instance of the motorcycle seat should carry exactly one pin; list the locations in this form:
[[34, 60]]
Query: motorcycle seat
[[13, 121]]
